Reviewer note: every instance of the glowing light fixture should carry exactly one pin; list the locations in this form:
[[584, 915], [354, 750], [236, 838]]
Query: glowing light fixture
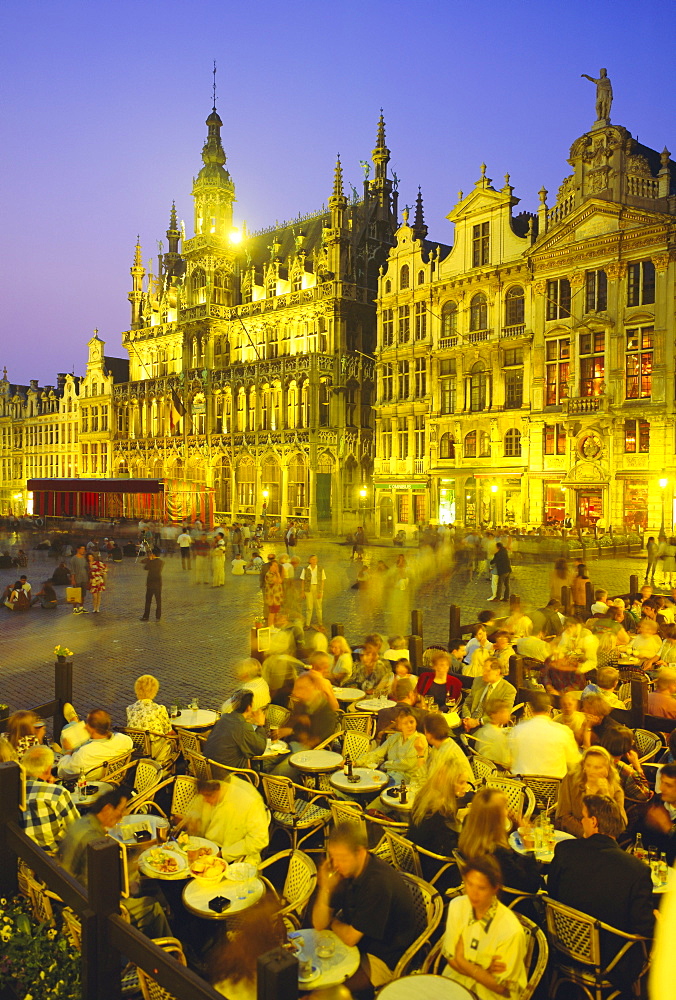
[[235, 236], [663, 483], [494, 488], [266, 494], [362, 493]]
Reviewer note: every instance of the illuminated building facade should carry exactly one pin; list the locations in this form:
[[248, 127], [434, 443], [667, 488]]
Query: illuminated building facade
[[525, 375]]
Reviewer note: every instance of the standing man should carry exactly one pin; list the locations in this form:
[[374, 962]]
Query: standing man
[[184, 542], [79, 577], [501, 569], [201, 549], [291, 537], [153, 567], [313, 577]]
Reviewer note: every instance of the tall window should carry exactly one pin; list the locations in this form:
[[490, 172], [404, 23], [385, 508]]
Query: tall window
[[298, 482], [469, 446], [514, 306], [419, 508], [636, 433], [95, 418], [639, 362], [404, 370], [484, 445], [402, 437], [386, 439], [477, 388], [641, 283], [557, 364], [403, 507], [221, 288], [447, 385], [198, 281], [478, 312], [404, 276], [558, 299], [419, 432], [596, 291], [513, 443], [387, 383], [480, 244], [446, 446], [554, 439], [84, 417], [420, 374], [388, 327], [592, 363], [404, 332], [421, 277], [513, 368], [420, 320], [449, 319]]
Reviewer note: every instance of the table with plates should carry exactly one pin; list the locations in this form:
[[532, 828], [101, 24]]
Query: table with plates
[[241, 893], [148, 867], [391, 800], [348, 695], [370, 780], [328, 970], [273, 748], [83, 801], [425, 987], [374, 704], [125, 830], [542, 854], [195, 718]]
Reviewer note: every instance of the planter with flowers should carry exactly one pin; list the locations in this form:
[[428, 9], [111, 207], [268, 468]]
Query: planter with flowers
[[62, 653], [37, 962]]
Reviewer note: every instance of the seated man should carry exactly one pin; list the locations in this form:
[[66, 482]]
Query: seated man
[[365, 902], [104, 745], [456, 652], [405, 697], [232, 814], [312, 720], [372, 674], [541, 746], [594, 875], [49, 807], [491, 684], [238, 735], [443, 747], [492, 738], [660, 819], [661, 701], [549, 619], [534, 647], [105, 811], [320, 666], [607, 679]]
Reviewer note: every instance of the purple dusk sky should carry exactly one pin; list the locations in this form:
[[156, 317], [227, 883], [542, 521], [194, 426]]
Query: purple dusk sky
[[104, 105]]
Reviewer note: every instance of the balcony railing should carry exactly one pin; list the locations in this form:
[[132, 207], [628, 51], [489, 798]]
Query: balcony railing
[[579, 405], [478, 336], [419, 466], [445, 342], [513, 331]]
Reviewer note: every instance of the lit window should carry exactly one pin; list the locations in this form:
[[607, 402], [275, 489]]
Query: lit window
[[639, 363], [557, 358], [636, 433], [592, 363], [554, 439], [513, 443]]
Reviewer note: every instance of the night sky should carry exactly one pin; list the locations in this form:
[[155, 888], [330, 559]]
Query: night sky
[[103, 109]]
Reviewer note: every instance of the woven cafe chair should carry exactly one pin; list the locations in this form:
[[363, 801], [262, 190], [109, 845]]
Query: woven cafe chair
[[294, 809], [189, 742], [276, 716], [299, 883], [520, 798], [544, 788], [482, 767], [112, 771], [359, 722], [648, 745], [150, 989], [212, 770], [406, 857], [429, 907], [348, 812]]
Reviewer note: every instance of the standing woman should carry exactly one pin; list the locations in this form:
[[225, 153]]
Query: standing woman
[[218, 561], [273, 591], [559, 579], [578, 591], [97, 580]]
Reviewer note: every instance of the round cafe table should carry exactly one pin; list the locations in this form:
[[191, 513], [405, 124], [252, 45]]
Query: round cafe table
[[199, 718], [374, 704], [370, 780], [316, 762], [333, 970], [83, 801], [128, 825], [668, 886], [544, 855], [242, 895], [425, 987], [348, 694], [394, 802]]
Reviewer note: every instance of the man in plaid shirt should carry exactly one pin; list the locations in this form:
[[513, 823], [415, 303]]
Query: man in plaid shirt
[[49, 807]]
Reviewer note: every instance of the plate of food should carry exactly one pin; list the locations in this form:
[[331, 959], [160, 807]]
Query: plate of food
[[241, 872], [208, 869], [162, 861], [196, 847]]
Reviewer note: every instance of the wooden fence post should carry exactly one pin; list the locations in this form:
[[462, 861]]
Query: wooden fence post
[[515, 675], [415, 652], [9, 810], [417, 623], [63, 693], [453, 622], [337, 629], [589, 597], [103, 965], [566, 601], [633, 584], [639, 703]]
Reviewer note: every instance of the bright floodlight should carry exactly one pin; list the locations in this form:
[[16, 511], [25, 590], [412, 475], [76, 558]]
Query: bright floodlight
[[663, 483], [235, 236]]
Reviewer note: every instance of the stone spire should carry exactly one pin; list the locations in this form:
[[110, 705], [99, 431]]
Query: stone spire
[[337, 201], [213, 189], [173, 263], [419, 228], [135, 296], [381, 154]]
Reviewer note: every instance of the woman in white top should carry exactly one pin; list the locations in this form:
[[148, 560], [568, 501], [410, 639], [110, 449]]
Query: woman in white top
[[341, 668], [403, 754], [484, 942]]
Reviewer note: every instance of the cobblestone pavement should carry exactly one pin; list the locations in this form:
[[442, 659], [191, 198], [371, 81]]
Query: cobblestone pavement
[[204, 631]]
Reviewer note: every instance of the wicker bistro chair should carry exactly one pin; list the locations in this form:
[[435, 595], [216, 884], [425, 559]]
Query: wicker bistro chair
[[356, 744], [211, 770], [429, 909], [482, 767], [520, 798], [112, 771], [406, 857], [299, 884], [294, 812], [348, 812], [359, 722], [545, 789], [537, 954], [648, 745], [189, 742], [276, 716], [576, 939], [157, 746], [150, 989]]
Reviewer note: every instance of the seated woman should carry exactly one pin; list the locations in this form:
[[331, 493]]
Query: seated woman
[[233, 960], [147, 714], [634, 784], [46, 596], [25, 729], [403, 754], [598, 723], [438, 682], [402, 672], [437, 815], [484, 942], [646, 645], [485, 831], [594, 775], [341, 668]]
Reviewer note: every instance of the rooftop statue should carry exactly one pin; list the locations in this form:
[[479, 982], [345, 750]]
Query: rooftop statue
[[604, 94]]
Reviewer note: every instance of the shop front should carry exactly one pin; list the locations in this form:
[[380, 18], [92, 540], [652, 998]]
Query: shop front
[[635, 507], [554, 504], [446, 512], [589, 507]]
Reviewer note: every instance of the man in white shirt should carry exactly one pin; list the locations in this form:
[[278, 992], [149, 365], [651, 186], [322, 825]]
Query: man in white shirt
[[534, 647], [443, 749], [184, 542], [233, 815], [542, 746], [313, 577], [103, 745]]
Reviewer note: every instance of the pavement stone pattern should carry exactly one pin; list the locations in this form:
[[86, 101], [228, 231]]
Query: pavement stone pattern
[[204, 631]]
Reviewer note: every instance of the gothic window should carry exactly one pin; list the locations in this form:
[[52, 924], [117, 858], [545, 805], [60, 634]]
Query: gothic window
[[558, 299], [246, 483], [221, 288], [420, 320], [297, 281], [325, 404], [478, 312], [480, 244], [636, 432], [641, 283], [449, 319], [404, 324], [592, 363], [198, 283], [271, 286], [469, 447], [557, 368], [292, 408], [298, 483], [304, 405], [477, 388], [271, 482], [404, 276], [404, 369], [446, 446], [596, 291], [514, 306], [240, 410], [420, 377], [388, 327], [513, 443], [639, 362], [387, 383]]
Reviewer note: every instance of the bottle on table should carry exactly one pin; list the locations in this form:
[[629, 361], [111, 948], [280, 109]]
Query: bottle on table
[[639, 850], [81, 785], [403, 792], [662, 871], [347, 765]]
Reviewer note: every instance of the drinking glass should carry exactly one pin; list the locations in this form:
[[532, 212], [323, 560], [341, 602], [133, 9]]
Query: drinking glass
[[326, 945]]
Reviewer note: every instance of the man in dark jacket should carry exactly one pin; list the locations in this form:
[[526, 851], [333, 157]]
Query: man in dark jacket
[[153, 567], [594, 875], [238, 735], [501, 568]]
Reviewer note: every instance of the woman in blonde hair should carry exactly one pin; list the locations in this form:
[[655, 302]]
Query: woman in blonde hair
[[341, 669], [485, 831], [147, 714], [594, 775], [25, 729], [436, 815], [233, 962]]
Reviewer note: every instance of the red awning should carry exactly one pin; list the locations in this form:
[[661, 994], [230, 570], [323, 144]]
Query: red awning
[[95, 486]]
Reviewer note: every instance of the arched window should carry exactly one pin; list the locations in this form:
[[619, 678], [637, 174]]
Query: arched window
[[297, 281], [388, 287], [298, 482], [478, 312], [446, 446], [421, 277], [449, 319], [404, 276], [271, 286], [469, 449], [271, 482], [484, 445], [221, 288], [514, 306], [477, 387], [198, 284], [246, 482], [292, 406], [513, 443]]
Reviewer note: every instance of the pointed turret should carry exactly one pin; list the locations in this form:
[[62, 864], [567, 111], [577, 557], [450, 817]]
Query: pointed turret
[[135, 296], [381, 154], [419, 228], [174, 266], [380, 188], [213, 189], [337, 201]]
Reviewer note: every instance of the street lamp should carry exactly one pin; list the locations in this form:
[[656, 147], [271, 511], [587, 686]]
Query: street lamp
[[663, 486], [494, 502], [362, 504]]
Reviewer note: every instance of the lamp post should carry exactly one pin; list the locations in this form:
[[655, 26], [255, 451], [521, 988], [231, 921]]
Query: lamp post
[[663, 486], [362, 505], [494, 503]]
